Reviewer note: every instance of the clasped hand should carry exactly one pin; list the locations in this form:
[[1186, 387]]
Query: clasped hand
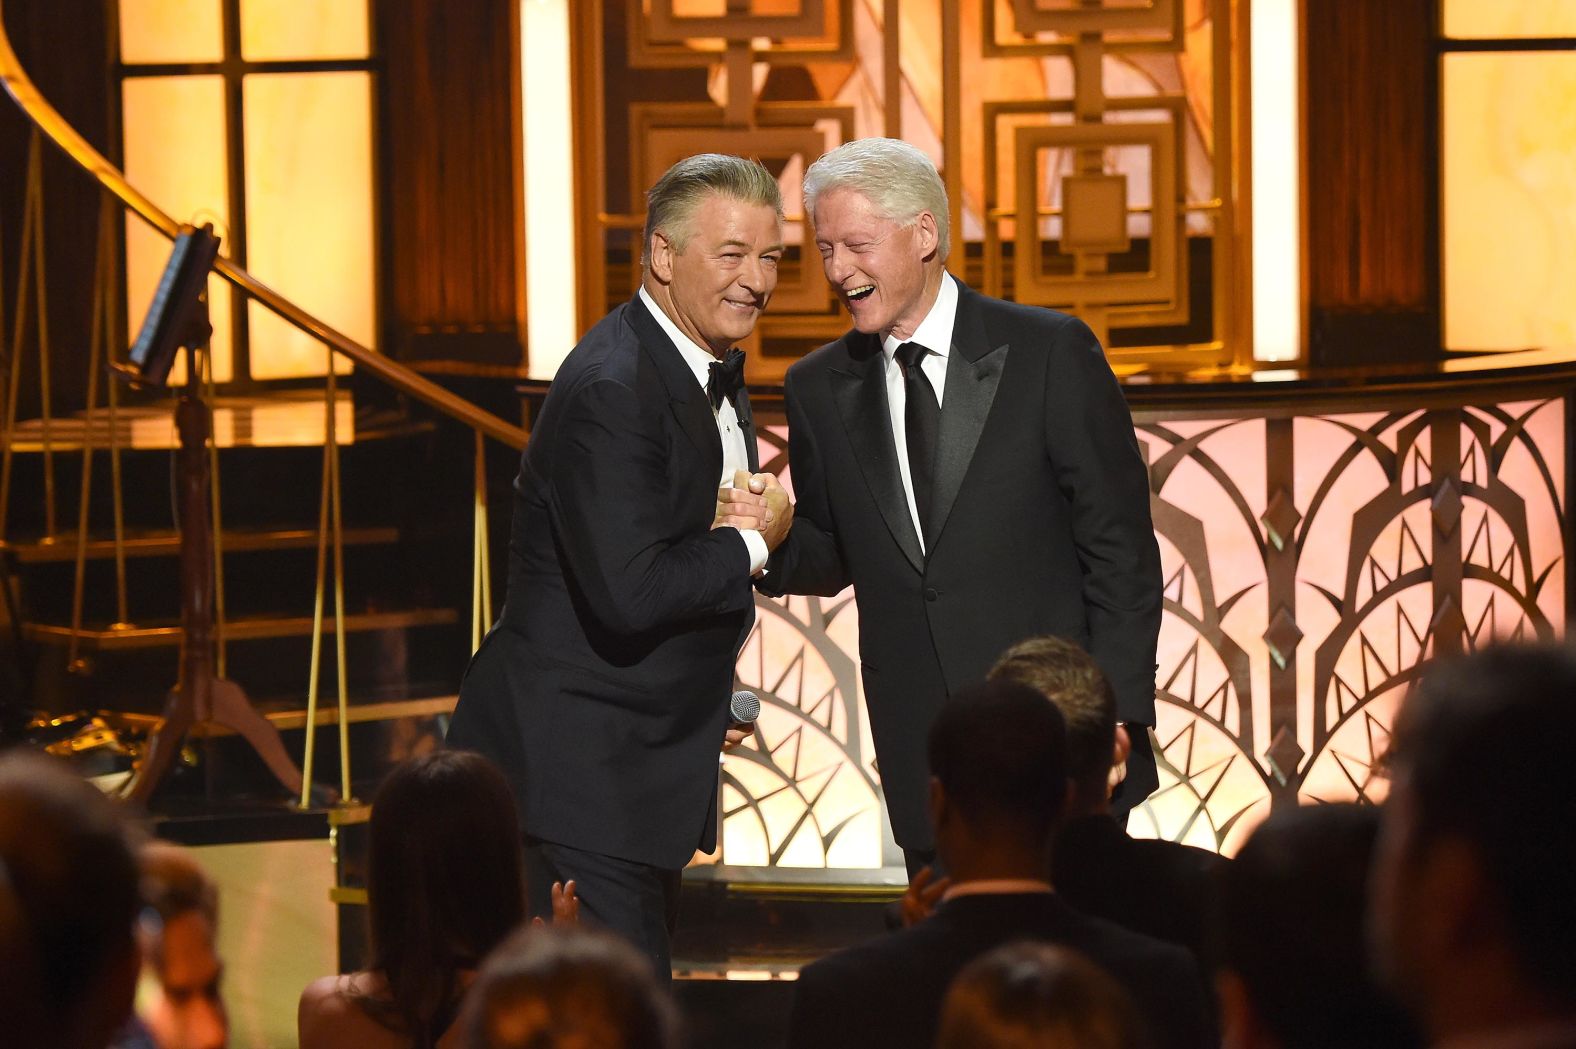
[[756, 502]]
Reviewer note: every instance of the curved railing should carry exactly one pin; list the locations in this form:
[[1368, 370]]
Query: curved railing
[[51, 125]]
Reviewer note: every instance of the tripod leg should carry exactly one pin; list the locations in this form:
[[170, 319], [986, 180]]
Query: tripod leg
[[164, 745], [232, 709]]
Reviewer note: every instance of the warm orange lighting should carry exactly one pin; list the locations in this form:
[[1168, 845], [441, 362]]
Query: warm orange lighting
[[170, 31], [1465, 19], [288, 29], [309, 212], [179, 163], [1509, 164]]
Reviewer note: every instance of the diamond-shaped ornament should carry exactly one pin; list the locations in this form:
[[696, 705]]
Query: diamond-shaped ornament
[[1447, 506], [1282, 636], [1448, 620], [1284, 755], [1280, 518]]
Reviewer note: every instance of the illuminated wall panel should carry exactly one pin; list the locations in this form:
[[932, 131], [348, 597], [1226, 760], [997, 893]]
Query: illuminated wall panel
[[171, 31], [1509, 174], [1509, 18], [309, 212], [1310, 563], [291, 29], [179, 164]]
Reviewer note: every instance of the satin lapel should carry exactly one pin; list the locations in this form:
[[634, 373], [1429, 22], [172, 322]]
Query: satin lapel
[[860, 391], [973, 373], [741, 408], [685, 396]]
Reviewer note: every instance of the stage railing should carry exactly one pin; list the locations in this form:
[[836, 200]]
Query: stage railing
[[118, 195]]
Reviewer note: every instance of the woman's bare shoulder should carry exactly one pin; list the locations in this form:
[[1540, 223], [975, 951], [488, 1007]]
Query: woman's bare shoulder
[[331, 1013]]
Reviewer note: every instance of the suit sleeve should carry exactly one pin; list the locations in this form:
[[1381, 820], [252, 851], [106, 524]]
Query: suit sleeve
[[1091, 444], [611, 512], [809, 560]]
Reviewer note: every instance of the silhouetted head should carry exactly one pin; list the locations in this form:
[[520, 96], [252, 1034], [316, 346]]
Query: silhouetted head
[[180, 927], [1472, 886], [1289, 936], [1037, 996], [998, 768], [1069, 677], [565, 987], [445, 881], [68, 904]]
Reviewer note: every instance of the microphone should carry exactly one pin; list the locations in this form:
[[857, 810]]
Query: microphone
[[743, 708]]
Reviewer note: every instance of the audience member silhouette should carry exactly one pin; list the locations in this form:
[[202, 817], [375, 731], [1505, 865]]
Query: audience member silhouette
[[445, 885], [1036, 996], [564, 987], [179, 941], [998, 781], [68, 908], [1289, 934], [1153, 886], [1474, 916]]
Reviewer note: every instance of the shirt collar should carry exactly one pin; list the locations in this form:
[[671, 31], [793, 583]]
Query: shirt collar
[[935, 331], [998, 887], [696, 356]]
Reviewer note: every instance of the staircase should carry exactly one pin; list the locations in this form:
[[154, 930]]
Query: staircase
[[349, 519]]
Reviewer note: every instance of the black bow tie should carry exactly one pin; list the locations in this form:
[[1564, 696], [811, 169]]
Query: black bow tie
[[726, 378]]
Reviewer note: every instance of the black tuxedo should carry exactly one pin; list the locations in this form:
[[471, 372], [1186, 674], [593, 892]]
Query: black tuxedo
[[602, 691], [1039, 524], [1156, 887], [888, 992]]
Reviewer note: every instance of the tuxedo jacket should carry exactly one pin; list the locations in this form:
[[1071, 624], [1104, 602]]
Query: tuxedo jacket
[[889, 991], [1039, 524], [602, 691]]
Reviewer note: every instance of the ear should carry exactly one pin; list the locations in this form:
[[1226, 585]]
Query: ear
[[938, 803], [1458, 892], [927, 234], [1239, 1024], [660, 257], [1121, 748]]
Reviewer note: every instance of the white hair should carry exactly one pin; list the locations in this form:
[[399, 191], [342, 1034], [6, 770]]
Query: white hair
[[897, 178]]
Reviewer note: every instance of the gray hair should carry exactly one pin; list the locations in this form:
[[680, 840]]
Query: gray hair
[[897, 178], [671, 203]]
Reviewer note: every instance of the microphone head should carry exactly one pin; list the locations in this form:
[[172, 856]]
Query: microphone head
[[744, 707]]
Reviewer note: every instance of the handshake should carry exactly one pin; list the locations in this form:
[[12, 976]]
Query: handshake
[[756, 502]]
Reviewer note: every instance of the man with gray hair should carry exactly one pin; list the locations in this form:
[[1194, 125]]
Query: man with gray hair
[[602, 691], [969, 465]]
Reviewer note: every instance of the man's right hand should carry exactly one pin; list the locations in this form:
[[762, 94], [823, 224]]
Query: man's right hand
[[779, 508], [740, 508]]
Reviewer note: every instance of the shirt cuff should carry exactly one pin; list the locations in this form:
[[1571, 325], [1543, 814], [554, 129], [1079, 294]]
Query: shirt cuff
[[755, 543]]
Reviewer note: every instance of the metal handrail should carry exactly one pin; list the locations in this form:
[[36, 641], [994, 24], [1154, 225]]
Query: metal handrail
[[401, 378]]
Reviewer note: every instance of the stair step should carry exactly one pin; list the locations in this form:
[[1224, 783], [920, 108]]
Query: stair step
[[168, 542], [284, 419], [252, 628]]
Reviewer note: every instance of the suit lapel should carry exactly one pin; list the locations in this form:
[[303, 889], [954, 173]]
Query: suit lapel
[[741, 408], [860, 391], [973, 372], [685, 396]]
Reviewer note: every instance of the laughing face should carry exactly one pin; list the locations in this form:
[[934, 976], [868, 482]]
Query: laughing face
[[885, 273], [716, 288]]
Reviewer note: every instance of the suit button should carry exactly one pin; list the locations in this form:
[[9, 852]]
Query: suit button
[[931, 593]]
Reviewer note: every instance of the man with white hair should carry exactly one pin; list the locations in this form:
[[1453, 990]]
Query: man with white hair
[[969, 465]]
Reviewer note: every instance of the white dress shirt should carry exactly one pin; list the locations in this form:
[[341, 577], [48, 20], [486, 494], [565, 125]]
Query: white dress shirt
[[735, 455], [935, 334]]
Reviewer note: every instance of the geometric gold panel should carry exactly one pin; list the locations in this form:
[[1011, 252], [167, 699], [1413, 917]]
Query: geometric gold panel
[[1094, 214], [1162, 283], [1069, 16], [665, 26]]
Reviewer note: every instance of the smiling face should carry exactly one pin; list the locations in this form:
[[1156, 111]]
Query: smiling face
[[715, 288], [887, 274]]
